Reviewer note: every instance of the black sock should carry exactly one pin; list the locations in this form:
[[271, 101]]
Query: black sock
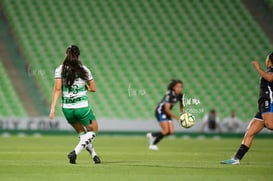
[[241, 152], [159, 137], [156, 134]]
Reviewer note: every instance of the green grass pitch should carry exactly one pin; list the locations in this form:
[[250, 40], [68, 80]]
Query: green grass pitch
[[128, 158]]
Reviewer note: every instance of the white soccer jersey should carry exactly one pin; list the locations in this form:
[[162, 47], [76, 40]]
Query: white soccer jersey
[[76, 97]]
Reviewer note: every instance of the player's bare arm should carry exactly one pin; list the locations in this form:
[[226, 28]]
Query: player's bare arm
[[266, 75], [55, 95], [167, 108], [91, 87]]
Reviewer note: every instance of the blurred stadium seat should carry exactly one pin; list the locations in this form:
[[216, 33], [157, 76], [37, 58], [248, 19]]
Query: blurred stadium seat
[[10, 102], [134, 48]]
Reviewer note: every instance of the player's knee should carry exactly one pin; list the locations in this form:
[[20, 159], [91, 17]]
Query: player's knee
[[165, 132], [79, 130], [89, 127], [93, 128], [269, 125], [249, 134], [96, 129]]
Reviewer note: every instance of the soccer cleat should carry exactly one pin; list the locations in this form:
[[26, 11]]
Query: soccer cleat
[[150, 137], [72, 157], [96, 159], [153, 147], [231, 162]]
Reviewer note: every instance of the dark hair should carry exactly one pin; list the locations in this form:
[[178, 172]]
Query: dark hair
[[213, 111], [173, 83], [72, 67], [270, 56]]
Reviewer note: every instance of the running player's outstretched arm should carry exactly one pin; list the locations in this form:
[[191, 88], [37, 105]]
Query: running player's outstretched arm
[[91, 87], [266, 75], [55, 95], [167, 108]]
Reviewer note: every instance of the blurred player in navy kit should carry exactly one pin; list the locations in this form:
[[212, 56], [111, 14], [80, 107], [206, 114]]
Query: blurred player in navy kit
[[264, 116], [164, 114]]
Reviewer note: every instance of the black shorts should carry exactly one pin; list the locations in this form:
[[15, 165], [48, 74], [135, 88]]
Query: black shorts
[[162, 116], [264, 106]]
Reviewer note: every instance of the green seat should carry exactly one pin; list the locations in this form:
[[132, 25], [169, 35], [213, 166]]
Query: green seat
[[11, 105], [145, 44]]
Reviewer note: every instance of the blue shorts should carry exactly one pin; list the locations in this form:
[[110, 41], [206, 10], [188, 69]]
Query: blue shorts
[[161, 117]]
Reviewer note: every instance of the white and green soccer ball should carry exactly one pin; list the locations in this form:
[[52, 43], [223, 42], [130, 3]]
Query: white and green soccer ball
[[187, 120]]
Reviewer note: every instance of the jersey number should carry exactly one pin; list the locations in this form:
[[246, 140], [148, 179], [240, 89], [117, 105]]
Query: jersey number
[[75, 89]]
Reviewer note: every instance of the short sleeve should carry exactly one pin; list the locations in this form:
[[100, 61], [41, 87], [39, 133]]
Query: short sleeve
[[168, 97], [58, 72], [89, 75]]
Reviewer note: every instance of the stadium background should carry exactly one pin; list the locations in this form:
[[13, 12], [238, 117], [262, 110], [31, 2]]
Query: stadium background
[[133, 49]]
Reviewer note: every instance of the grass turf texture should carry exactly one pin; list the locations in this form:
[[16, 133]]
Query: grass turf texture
[[127, 158]]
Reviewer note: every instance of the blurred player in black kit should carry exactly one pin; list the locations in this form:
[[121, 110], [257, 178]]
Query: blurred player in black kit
[[164, 114], [264, 116]]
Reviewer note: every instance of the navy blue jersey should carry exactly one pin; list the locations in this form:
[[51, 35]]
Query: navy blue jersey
[[266, 88], [171, 98]]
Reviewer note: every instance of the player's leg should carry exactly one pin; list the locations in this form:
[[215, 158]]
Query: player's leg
[[82, 143], [171, 127], [255, 126], [165, 130], [90, 148], [268, 120], [154, 138], [70, 117], [78, 128], [95, 126], [151, 136], [92, 127], [88, 119]]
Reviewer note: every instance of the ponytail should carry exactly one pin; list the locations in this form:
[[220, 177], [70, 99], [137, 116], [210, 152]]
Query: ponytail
[[72, 67]]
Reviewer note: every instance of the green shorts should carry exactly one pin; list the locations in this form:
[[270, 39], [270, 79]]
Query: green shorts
[[83, 115]]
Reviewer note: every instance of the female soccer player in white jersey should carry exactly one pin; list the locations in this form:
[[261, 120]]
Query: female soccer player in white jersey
[[164, 114], [264, 116], [73, 80]]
